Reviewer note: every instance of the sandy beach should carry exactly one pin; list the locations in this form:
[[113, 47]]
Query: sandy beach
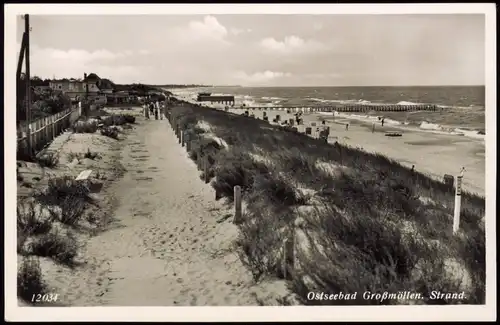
[[431, 152]]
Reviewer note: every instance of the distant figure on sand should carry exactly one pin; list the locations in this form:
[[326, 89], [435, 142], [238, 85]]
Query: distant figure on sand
[[146, 110], [383, 119], [151, 108], [347, 126], [157, 109]]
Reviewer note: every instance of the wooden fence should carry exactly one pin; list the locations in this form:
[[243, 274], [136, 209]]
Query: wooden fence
[[45, 129]]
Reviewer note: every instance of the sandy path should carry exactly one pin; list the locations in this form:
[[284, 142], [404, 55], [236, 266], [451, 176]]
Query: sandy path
[[167, 247]]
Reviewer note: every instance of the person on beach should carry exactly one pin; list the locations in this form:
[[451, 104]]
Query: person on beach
[[383, 121], [151, 108], [347, 126], [157, 110], [146, 110]]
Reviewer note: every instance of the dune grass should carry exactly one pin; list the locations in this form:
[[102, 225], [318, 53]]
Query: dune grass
[[46, 226], [29, 279], [373, 224]]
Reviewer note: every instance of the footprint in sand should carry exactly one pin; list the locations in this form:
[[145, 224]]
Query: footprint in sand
[[142, 214], [148, 179], [193, 301]]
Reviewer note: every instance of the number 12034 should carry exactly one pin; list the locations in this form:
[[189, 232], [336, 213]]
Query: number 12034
[[46, 297]]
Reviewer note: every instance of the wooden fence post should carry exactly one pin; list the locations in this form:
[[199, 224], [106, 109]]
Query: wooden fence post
[[52, 127], [237, 204], [37, 135], [56, 123], [458, 202], [46, 130], [187, 141], [32, 135]]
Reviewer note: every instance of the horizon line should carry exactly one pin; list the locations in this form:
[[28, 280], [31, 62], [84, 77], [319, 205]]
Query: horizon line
[[333, 86]]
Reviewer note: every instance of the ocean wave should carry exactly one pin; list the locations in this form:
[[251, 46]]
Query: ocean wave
[[342, 101], [407, 103], [424, 126], [272, 98]]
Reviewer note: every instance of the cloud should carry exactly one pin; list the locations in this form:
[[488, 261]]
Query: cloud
[[49, 62], [78, 55], [208, 28], [261, 77], [207, 33], [290, 44], [237, 31]]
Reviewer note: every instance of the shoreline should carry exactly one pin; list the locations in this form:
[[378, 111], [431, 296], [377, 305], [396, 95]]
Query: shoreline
[[430, 127]]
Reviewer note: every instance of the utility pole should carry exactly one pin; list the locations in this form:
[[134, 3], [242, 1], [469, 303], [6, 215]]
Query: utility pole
[[86, 87], [21, 57], [86, 106], [28, 80]]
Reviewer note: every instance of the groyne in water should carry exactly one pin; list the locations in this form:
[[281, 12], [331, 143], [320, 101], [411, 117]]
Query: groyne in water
[[347, 108], [338, 108]]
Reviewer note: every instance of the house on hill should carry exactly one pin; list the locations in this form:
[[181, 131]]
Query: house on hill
[[100, 90], [79, 89]]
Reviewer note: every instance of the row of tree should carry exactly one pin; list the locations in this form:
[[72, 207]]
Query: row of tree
[[44, 102]]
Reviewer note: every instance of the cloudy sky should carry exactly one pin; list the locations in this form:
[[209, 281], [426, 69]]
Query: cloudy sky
[[262, 50]]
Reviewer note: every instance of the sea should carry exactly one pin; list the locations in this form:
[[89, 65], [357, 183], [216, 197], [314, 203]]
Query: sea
[[463, 106]]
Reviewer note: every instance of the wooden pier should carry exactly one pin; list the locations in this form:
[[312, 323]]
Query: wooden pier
[[345, 108]]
